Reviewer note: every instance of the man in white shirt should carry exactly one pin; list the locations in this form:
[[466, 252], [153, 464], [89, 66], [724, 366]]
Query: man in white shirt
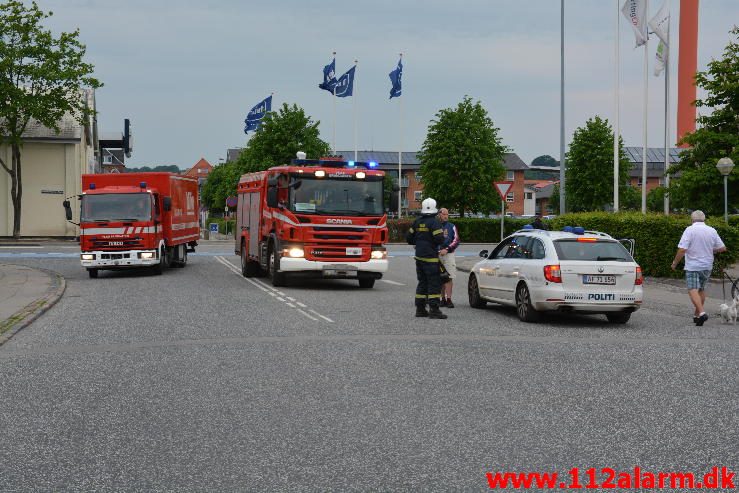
[[698, 245]]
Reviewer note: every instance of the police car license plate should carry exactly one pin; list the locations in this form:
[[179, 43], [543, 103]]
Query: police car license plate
[[354, 252], [598, 279]]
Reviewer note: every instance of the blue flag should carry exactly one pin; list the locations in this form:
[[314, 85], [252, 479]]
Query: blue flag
[[329, 77], [345, 85], [254, 118], [396, 80]]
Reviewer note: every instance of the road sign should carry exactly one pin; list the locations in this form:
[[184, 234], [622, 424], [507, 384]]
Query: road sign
[[213, 227], [232, 201], [503, 187]]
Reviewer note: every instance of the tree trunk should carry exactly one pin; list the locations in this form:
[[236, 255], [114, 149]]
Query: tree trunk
[[16, 189]]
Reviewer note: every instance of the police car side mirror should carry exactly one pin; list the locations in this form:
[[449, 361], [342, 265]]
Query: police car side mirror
[[167, 203], [484, 254]]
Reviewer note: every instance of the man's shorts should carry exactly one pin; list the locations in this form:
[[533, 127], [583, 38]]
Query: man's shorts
[[696, 279], [450, 264]]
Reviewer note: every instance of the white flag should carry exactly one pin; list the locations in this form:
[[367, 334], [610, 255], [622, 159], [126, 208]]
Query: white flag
[[660, 24], [659, 65], [635, 12]]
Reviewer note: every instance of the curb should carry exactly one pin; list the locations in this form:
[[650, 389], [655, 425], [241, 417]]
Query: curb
[[29, 313]]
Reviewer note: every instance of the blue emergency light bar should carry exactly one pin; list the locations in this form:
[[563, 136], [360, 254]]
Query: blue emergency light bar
[[332, 163], [92, 186]]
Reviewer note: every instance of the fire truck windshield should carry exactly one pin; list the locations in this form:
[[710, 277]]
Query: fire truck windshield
[[116, 207], [337, 196]]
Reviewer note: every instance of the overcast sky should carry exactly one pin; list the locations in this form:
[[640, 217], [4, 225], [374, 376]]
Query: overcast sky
[[187, 72]]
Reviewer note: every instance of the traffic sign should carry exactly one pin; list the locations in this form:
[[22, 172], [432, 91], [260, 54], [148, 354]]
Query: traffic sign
[[213, 227], [232, 201], [503, 187]]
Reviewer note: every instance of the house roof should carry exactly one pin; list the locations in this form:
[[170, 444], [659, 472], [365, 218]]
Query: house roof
[[202, 164], [546, 191], [655, 160], [233, 154], [69, 129]]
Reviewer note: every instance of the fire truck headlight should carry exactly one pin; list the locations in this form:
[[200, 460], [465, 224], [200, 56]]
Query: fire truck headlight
[[146, 254], [296, 252], [379, 254], [88, 256], [320, 173], [360, 175]]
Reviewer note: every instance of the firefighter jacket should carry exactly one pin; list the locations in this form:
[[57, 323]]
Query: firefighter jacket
[[426, 234]]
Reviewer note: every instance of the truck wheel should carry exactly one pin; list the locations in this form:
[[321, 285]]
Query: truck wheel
[[159, 268], [181, 259], [249, 268], [169, 255], [278, 278], [366, 282], [93, 273]]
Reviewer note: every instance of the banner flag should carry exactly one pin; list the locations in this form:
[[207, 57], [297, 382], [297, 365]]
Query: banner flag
[[396, 77], [254, 118], [329, 77], [659, 65], [635, 12], [660, 24], [345, 85]]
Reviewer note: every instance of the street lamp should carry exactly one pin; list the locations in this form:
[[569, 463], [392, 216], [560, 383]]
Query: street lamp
[[725, 165]]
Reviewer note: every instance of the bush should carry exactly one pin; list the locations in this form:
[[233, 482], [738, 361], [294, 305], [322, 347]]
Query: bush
[[655, 235], [223, 224]]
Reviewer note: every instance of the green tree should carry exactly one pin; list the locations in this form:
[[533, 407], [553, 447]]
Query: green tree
[[461, 158], [42, 78], [171, 168], [221, 184], [280, 136], [589, 174], [700, 185], [545, 160]]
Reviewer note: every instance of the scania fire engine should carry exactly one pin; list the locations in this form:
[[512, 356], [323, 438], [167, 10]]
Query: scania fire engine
[[137, 220], [313, 218]]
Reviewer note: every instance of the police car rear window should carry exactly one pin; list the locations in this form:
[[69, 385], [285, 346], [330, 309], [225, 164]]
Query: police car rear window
[[599, 250]]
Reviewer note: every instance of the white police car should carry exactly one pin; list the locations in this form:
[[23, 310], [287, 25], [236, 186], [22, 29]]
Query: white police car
[[569, 271]]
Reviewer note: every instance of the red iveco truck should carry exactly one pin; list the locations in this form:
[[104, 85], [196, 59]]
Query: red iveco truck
[[137, 220], [313, 218]]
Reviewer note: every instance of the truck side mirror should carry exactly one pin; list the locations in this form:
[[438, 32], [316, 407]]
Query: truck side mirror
[[167, 203], [272, 196], [67, 210]]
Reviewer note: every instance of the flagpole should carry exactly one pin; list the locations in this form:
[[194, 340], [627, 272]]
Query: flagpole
[[562, 112], [646, 99], [400, 159], [667, 121], [354, 102], [616, 128], [333, 98]]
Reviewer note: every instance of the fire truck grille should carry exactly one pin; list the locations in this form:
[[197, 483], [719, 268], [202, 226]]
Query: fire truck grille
[[333, 254], [130, 243], [114, 256], [340, 234]]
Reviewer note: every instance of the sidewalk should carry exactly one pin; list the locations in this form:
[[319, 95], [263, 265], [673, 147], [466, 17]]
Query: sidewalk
[[25, 293]]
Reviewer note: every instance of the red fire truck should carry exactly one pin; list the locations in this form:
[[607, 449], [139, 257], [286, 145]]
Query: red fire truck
[[313, 218], [137, 220]]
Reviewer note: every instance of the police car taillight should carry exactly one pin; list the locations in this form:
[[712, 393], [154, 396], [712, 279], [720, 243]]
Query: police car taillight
[[552, 273], [639, 277]]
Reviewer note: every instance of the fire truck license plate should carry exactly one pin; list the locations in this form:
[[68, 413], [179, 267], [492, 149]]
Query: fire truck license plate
[[354, 251]]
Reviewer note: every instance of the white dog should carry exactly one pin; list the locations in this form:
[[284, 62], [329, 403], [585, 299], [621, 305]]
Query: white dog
[[729, 312]]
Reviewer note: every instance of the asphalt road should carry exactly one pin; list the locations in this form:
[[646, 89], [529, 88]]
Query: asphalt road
[[200, 379]]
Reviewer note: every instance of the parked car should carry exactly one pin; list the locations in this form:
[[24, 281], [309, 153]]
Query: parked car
[[538, 271]]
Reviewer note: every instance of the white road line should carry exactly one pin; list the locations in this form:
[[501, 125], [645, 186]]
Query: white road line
[[271, 291], [392, 282], [301, 305], [318, 314], [20, 247]]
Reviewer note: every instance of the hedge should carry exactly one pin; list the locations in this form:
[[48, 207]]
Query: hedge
[[655, 235]]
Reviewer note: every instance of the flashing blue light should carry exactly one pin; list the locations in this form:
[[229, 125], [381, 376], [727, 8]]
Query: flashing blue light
[[578, 230], [528, 226], [350, 164], [142, 184], [567, 229], [92, 186], [372, 164]]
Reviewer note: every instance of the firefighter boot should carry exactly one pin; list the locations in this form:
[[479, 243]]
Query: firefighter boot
[[436, 313], [421, 310]]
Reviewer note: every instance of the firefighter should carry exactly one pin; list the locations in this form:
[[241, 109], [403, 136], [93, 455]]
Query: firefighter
[[427, 234]]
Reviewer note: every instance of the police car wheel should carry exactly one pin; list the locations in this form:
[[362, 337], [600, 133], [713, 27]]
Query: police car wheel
[[524, 308], [473, 293]]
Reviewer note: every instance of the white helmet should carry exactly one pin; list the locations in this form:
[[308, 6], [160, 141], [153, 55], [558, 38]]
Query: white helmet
[[428, 206]]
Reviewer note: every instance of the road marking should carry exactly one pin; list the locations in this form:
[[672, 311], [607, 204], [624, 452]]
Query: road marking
[[272, 291], [392, 282], [20, 247]]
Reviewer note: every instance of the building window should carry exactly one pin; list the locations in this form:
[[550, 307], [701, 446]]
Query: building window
[[418, 176], [417, 195], [510, 175], [662, 182], [510, 197], [529, 195], [638, 183]]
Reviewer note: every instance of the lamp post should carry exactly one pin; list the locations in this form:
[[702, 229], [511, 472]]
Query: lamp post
[[725, 165]]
